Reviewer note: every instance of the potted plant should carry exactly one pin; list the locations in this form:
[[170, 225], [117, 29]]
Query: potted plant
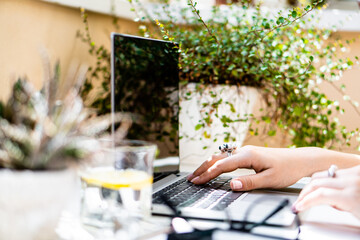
[[285, 57], [44, 135]]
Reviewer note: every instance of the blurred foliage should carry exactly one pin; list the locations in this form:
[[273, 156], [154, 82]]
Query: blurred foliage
[[100, 72], [285, 56], [49, 129]]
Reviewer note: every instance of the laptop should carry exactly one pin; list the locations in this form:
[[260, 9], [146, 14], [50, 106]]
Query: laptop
[[145, 81]]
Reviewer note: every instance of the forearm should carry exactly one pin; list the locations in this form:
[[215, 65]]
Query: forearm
[[319, 159], [309, 160], [274, 167]]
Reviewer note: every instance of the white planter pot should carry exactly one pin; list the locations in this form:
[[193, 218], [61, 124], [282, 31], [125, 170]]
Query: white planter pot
[[31, 202], [191, 147]]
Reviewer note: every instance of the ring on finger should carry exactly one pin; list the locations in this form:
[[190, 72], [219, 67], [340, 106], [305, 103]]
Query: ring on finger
[[332, 171], [228, 148]]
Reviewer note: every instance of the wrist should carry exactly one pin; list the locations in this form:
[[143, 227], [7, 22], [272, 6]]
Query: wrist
[[319, 159]]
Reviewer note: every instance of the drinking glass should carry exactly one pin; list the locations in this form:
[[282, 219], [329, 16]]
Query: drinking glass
[[117, 186]]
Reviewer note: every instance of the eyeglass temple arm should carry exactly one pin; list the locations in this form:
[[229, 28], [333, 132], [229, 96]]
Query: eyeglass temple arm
[[282, 204]]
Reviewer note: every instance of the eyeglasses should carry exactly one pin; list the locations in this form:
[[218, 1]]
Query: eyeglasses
[[246, 226], [277, 232]]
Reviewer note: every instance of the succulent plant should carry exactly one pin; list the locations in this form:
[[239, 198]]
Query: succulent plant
[[50, 129]]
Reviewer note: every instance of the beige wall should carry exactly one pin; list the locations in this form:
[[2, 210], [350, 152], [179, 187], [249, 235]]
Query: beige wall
[[27, 25]]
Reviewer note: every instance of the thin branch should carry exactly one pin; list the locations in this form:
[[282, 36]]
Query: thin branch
[[287, 23], [196, 11]]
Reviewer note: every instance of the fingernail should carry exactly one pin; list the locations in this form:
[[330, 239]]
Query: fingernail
[[236, 185], [293, 209], [191, 176], [195, 179]]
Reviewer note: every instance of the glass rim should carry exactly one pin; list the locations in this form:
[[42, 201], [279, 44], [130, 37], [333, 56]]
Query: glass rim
[[133, 144]]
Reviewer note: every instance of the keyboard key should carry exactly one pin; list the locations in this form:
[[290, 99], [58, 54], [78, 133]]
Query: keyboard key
[[205, 204], [234, 195], [220, 206], [226, 200]]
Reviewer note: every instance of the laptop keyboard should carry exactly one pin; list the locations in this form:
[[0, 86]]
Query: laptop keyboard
[[214, 195]]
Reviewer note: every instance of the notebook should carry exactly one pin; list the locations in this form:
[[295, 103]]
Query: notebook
[[145, 81]]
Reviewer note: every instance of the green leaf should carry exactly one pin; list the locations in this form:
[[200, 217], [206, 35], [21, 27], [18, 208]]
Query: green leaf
[[232, 108], [198, 127], [281, 19], [266, 119], [271, 133], [206, 135]]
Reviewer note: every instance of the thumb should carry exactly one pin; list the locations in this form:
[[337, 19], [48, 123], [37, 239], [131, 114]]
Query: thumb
[[249, 182]]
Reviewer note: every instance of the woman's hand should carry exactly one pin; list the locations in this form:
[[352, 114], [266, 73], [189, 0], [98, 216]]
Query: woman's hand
[[274, 167], [342, 192]]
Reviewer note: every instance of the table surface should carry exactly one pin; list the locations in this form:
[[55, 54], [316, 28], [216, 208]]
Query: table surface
[[317, 223]]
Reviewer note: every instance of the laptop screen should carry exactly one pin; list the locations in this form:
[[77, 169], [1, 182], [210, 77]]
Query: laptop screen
[[145, 82]]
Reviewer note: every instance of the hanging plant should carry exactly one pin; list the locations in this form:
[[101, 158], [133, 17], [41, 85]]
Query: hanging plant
[[284, 56]]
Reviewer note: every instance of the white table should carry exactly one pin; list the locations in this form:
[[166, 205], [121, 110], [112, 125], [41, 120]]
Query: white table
[[321, 222]]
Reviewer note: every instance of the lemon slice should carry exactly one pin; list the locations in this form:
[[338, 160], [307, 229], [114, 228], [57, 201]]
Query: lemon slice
[[116, 179]]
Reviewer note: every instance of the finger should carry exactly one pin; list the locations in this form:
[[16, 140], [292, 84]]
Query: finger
[[228, 164], [322, 174], [206, 165], [333, 197], [322, 182], [250, 182], [354, 171]]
